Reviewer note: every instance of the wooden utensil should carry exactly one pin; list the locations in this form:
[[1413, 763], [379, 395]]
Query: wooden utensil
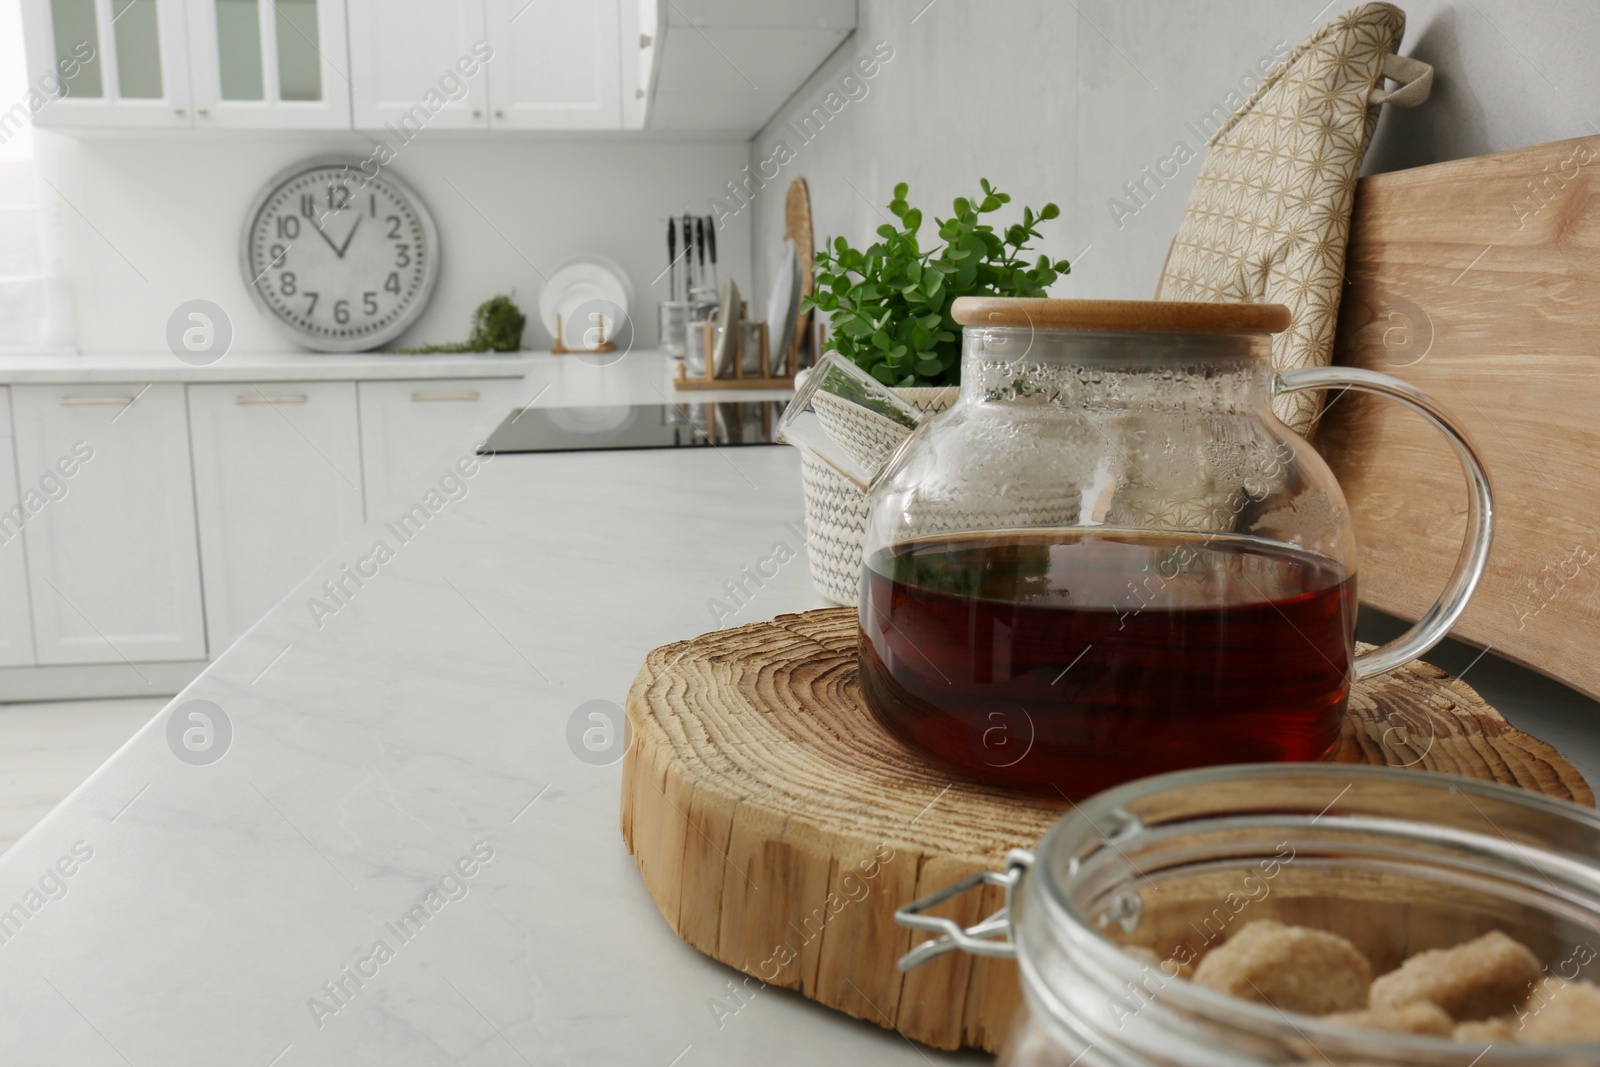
[[1479, 281], [797, 226]]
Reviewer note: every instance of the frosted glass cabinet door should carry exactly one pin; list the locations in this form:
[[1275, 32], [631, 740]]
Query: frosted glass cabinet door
[[113, 569], [556, 65], [106, 63], [269, 63], [418, 63]]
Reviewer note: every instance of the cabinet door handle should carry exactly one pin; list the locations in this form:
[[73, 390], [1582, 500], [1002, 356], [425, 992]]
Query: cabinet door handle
[[424, 398], [96, 401], [270, 400]]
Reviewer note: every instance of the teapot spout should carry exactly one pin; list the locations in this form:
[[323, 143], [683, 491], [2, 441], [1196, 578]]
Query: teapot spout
[[849, 420]]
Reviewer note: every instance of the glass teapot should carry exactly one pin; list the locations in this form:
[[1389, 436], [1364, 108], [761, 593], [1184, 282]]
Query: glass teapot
[[1108, 558]]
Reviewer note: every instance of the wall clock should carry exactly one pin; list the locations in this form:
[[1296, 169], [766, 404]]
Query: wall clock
[[341, 260]]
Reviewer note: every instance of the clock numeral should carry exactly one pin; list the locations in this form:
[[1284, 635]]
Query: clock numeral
[[392, 283], [288, 227], [308, 205], [286, 283], [394, 226], [369, 302], [311, 309], [402, 255], [372, 205], [278, 252], [338, 197], [341, 312]]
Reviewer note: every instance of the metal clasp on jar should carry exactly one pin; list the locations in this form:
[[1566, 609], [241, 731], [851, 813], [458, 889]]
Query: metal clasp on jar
[[991, 937]]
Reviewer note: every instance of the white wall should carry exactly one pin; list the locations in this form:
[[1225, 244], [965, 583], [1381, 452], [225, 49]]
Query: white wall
[[1050, 100], [155, 220], [1066, 102]]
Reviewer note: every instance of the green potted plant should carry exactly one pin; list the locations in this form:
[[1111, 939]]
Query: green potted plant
[[888, 307]]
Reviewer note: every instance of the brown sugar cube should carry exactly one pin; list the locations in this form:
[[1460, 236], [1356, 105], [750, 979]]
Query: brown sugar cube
[[1420, 1017], [1496, 1031], [1294, 968], [1572, 1013], [1475, 980]]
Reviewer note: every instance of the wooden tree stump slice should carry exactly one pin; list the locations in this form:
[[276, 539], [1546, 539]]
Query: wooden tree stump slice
[[778, 827]]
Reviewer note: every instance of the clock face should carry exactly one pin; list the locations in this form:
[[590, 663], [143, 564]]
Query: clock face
[[342, 259]]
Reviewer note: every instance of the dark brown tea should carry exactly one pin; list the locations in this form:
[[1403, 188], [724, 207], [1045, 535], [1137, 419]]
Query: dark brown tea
[[1052, 660]]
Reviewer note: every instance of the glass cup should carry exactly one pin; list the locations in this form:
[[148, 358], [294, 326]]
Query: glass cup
[[674, 322]]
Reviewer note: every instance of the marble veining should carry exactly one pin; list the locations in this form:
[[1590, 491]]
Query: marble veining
[[233, 911]]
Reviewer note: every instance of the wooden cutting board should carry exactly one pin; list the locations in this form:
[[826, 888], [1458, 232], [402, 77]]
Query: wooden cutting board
[[778, 827], [1479, 281], [797, 225]]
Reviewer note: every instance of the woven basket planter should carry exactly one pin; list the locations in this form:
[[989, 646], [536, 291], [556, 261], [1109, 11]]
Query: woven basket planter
[[836, 511]]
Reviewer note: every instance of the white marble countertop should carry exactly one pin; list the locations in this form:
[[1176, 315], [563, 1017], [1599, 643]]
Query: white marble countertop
[[640, 376], [182, 914], [420, 724], [263, 367]]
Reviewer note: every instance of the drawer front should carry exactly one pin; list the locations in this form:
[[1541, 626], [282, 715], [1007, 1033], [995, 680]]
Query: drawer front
[[413, 432]]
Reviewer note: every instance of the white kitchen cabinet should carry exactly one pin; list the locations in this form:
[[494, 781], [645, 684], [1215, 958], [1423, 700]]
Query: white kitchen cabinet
[[106, 62], [412, 433], [113, 570], [282, 64], [636, 51], [732, 64], [16, 621], [418, 64], [556, 65], [277, 484]]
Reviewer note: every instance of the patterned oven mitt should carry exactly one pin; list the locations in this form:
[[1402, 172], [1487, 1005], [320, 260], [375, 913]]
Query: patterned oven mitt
[[1270, 214]]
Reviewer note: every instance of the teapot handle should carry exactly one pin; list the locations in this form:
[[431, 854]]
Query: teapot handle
[[1432, 627]]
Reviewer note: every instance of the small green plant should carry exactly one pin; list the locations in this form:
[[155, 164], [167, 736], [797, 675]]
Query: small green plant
[[496, 327], [889, 306]]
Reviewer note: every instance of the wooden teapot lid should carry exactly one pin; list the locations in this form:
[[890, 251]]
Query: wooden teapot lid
[[1142, 316]]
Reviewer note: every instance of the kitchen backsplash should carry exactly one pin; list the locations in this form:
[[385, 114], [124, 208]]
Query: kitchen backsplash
[[154, 220]]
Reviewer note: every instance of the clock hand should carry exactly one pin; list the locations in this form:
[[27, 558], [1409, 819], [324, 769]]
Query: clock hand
[[351, 236], [320, 232]]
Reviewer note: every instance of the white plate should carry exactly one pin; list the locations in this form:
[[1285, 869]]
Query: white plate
[[727, 323], [783, 281], [585, 281]]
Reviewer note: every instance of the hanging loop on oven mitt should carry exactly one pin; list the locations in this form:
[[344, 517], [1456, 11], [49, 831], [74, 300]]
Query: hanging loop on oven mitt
[[1415, 78]]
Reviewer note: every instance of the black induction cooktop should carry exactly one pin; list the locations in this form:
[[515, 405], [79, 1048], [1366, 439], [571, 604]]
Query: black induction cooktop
[[628, 426]]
